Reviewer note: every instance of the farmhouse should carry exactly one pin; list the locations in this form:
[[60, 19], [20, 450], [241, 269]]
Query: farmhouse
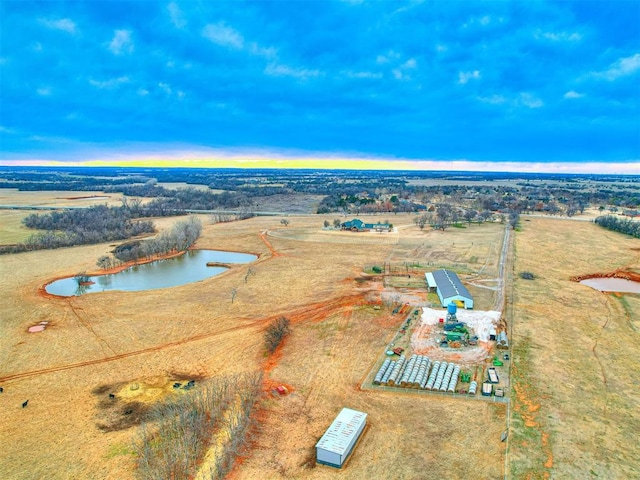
[[449, 288], [338, 441], [357, 225]]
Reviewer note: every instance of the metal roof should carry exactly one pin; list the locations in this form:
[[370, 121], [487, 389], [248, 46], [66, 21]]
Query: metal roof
[[341, 432], [449, 285], [431, 282]]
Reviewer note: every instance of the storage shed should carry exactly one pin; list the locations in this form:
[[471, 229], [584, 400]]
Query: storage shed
[[449, 288], [338, 441], [431, 282]]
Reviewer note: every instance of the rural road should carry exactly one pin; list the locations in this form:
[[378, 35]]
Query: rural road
[[502, 270]]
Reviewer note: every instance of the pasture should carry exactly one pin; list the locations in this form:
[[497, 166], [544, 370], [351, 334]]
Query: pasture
[[107, 342]]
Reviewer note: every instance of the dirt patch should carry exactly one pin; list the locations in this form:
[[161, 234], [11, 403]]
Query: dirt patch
[[125, 404], [626, 274]]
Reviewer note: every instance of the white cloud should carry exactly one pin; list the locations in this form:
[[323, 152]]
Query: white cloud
[[177, 18], [279, 70], [108, 84], [409, 64], [8, 131], [36, 46], [121, 42], [558, 36], [523, 99], [266, 52], [529, 100], [391, 55], [620, 68], [351, 74], [165, 88], [484, 21], [44, 91], [573, 94], [63, 24], [400, 72], [143, 92], [222, 35], [493, 99], [464, 77], [441, 48]]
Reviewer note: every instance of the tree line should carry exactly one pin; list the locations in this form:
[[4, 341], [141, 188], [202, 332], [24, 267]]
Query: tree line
[[622, 225], [81, 226], [179, 238], [174, 439]]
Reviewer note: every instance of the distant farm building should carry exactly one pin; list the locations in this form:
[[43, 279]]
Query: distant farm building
[[338, 441], [357, 225], [449, 288]]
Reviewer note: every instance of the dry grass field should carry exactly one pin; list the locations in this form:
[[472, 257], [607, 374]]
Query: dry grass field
[[135, 345], [576, 409], [11, 228]]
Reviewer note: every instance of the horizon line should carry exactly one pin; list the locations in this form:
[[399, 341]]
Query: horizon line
[[324, 162]]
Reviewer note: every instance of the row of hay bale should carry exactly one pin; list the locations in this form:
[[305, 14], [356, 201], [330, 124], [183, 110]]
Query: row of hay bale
[[473, 387], [418, 372]]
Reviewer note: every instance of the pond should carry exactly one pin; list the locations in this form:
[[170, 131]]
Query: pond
[[621, 285], [171, 272]]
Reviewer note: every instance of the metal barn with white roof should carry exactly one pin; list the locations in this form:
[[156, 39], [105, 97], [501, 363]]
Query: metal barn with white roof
[[338, 441], [449, 288]]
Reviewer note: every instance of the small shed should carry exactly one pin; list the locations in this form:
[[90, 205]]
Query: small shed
[[431, 282], [338, 441]]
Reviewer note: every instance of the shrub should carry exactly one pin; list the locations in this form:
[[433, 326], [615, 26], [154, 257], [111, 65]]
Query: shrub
[[275, 333], [527, 276]]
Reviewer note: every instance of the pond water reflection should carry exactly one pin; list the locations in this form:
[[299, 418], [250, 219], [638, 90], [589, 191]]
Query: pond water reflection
[[621, 285], [172, 272]]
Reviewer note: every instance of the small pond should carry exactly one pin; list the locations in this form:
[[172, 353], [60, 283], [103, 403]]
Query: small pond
[[621, 285], [172, 272]]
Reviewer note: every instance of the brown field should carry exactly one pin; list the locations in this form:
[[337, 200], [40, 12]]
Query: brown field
[[11, 228], [105, 343], [58, 198], [576, 408]]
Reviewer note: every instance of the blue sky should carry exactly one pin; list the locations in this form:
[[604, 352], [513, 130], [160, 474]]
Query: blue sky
[[516, 83]]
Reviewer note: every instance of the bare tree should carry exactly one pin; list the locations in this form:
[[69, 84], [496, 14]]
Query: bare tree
[[234, 292], [443, 215], [104, 262], [248, 274], [514, 217], [284, 222], [421, 221], [469, 215], [275, 333]]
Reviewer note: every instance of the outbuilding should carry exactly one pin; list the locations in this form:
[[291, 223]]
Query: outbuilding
[[338, 441], [449, 288]]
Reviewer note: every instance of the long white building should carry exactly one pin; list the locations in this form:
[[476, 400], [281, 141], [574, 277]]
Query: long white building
[[338, 441]]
